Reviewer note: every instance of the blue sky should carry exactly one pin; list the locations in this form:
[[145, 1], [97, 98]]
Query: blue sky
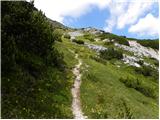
[[96, 18], [132, 18]]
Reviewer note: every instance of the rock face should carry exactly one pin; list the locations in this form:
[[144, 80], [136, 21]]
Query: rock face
[[95, 47], [75, 34], [139, 50], [93, 30], [131, 60]]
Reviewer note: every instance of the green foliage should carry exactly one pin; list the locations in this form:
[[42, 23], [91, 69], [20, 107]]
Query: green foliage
[[89, 37], [119, 39], [98, 59], [140, 62], [34, 80], [78, 41], [57, 34], [149, 43], [111, 53], [138, 85], [67, 36], [147, 71]]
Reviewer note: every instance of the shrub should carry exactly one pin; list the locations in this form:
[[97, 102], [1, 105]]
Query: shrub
[[67, 36], [149, 43], [140, 62], [119, 39], [78, 41], [147, 71], [89, 37], [30, 65], [57, 34], [111, 53], [137, 84]]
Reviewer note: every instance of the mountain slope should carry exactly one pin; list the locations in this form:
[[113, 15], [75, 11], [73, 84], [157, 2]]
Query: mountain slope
[[119, 76], [120, 87]]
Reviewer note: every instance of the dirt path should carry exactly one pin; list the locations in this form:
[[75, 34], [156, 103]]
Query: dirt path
[[76, 105]]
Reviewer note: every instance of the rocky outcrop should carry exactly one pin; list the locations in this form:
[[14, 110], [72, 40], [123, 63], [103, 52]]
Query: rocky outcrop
[[131, 60], [139, 50], [95, 47], [75, 34]]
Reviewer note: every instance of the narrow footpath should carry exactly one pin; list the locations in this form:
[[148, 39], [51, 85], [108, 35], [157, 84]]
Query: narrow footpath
[[76, 104]]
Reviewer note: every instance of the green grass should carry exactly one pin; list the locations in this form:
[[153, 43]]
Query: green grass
[[102, 94], [113, 92]]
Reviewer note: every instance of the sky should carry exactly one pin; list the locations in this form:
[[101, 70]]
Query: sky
[[132, 18]]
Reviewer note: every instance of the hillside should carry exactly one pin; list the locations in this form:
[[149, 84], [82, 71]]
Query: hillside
[[53, 71]]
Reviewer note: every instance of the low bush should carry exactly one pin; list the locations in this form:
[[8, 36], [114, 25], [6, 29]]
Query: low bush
[[147, 71], [149, 43], [119, 39], [78, 41], [140, 62], [111, 53], [137, 84], [89, 37], [57, 33]]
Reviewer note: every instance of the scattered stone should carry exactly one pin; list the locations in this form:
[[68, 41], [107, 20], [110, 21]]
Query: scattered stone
[[95, 47], [131, 60], [139, 50], [97, 39], [75, 34]]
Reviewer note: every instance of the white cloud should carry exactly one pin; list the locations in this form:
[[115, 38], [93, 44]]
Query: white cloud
[[126, 13], [149, 25], [58, 9], [133, 12], [122, 12]]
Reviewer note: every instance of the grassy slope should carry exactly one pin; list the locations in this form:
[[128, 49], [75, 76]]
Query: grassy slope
[[103, 92], [103, 95]]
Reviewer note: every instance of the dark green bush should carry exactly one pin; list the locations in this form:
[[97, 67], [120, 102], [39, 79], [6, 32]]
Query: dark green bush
[[140, 62], [147, 71], [137, 84], [57, 34], [119, 39], [33, 80], [89, 37], [78, 41], [111, 53], [149, 43]]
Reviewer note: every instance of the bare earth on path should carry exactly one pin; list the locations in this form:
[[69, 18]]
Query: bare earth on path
[[76, 104]]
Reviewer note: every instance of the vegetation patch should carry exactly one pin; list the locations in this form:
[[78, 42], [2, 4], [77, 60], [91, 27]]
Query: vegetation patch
[[78, 41], [137, 84], [147, 71], [111, 53], [149, 43], [35, 82], [89, 37], [119, 39], [67, 36]]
